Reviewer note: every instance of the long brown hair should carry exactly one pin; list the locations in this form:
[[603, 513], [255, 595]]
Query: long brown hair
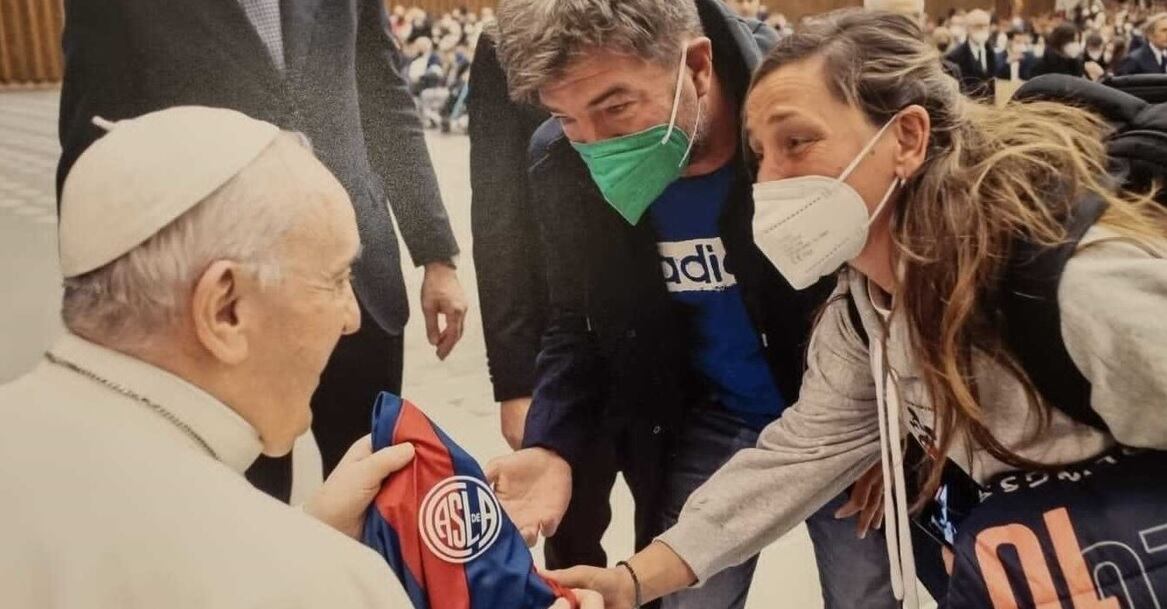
[[991, 176]]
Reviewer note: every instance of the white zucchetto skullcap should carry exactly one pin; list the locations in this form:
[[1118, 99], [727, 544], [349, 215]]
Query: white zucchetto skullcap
[[145, 173]]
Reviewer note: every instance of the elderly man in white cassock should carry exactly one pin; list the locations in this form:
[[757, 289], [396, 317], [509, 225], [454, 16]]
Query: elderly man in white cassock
[[206, 258]]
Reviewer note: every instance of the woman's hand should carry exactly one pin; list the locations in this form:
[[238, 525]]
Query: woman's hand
[[587, 600], [866, 500], [613, 586]]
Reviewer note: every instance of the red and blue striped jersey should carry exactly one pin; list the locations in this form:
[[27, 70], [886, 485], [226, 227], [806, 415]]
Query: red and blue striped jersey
[[440, 527]]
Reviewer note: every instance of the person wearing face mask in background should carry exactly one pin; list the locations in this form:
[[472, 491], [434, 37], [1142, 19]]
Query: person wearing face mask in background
[[1019, 59], [1063, 53], [911, 348], [671, 340], [1151, 57], [976, 58], [942, 38], [1038, 45], [1094, 58], [958, 25]]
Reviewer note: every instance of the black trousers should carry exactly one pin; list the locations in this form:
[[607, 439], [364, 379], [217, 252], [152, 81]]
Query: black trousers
[[363, 365], [639, 457]]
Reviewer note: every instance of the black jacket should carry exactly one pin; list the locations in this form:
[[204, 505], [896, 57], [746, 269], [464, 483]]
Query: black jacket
[[1140, 61], [1052, 62], [616, 355], [341, 88], [975, 81], [508, 258]]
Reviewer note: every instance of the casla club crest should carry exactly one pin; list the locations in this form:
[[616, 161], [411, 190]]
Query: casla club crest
[[460, 519]]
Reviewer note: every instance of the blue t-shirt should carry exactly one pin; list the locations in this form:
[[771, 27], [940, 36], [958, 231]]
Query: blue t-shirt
[[728, 351]]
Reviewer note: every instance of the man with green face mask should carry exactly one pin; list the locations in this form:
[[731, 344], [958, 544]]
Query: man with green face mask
[[671, 341]]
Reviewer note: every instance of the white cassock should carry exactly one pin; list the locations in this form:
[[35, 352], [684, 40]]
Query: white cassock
[[105, 503]]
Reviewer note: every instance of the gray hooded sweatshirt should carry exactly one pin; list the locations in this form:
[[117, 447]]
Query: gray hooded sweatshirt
[[1113, 302]]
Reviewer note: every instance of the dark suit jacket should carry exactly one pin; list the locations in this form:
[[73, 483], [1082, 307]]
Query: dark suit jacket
[[341, 88], [616, 357], [975, 81], [1055, 63], [1140, 61], [512, 286], [1028, 63]]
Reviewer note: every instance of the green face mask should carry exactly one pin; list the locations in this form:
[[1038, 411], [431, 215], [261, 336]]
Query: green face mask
[[633, 170]]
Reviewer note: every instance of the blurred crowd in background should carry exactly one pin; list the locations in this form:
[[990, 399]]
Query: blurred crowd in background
[[437, 52], [1092, 39]]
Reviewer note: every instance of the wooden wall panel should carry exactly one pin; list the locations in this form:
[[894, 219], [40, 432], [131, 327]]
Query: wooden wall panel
[[30, 41], [795, 9]]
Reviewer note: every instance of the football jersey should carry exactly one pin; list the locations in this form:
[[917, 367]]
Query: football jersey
[[1090, 536], [440, 527]]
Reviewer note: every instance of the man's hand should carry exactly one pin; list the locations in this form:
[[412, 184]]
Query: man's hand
[[614, 586], [441, 294], [866, 500], [513, 418], [534, 486], [342, 500], [1093, 70]]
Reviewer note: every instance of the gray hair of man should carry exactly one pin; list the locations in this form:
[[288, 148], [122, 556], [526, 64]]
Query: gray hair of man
[[539, 39], [132, 300]]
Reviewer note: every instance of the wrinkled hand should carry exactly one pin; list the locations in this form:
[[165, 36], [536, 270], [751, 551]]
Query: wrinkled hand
[[866, 500], [346, 494], [614, 586], [441, 295], [534, 486], [513, 418]]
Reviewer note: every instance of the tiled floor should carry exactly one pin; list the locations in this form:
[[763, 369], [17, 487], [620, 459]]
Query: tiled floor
[[28, 155]]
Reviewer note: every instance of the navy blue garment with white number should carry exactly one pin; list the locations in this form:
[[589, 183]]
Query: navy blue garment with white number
[[728, 350]]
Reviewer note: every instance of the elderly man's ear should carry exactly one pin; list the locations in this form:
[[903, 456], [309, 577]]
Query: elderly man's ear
[[222, 309]]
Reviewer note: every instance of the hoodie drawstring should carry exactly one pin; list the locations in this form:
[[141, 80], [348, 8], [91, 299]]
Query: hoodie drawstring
[[895, 494]]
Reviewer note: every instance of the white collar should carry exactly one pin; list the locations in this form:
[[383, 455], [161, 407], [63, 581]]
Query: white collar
[[233, 439]]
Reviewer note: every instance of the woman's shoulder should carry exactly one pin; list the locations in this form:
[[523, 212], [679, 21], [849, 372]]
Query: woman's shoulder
[[1109, 265]]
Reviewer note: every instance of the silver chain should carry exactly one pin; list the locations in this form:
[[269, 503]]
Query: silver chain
[[166, 414]]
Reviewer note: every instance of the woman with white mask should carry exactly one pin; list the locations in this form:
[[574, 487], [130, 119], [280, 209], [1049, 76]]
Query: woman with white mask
[[1063, 54], [871, 161]]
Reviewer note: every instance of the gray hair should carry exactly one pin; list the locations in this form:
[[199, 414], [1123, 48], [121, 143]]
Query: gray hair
[[538, 39], [127, 301], [1153, 21]]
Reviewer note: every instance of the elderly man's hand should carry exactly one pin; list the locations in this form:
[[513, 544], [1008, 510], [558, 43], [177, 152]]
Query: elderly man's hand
[[342, 501], [534, 486], [441, 294]]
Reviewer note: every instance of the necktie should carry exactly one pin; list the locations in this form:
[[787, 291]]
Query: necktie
[[981, 59], [264, 16], [1163, 62]]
